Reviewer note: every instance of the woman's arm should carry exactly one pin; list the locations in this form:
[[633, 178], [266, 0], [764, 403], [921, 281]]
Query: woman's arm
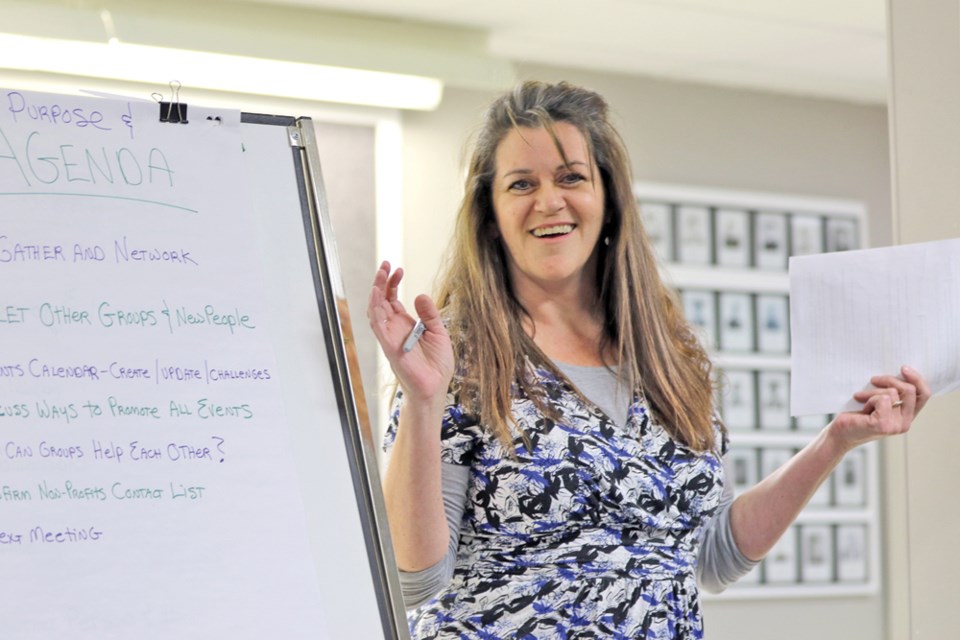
[[419, 586], [412, 491], [760, 515], [412, 488]]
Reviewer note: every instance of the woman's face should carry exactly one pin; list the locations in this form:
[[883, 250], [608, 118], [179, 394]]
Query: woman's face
[[549, 214]]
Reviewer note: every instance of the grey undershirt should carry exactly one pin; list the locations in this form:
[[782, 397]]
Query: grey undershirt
[[719, 562]]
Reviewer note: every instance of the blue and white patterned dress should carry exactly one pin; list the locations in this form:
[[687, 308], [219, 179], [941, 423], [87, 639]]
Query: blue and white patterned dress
[[591, 533]]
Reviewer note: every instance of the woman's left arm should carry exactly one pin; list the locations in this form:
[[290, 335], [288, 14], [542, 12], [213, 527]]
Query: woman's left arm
[[760, 515]]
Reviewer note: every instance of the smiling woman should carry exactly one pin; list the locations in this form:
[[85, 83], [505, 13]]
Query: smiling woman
[[576, 488], [548, 200]]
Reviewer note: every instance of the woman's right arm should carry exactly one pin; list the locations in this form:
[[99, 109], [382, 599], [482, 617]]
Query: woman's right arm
[[412, 485], [419, 586], [412, 491]]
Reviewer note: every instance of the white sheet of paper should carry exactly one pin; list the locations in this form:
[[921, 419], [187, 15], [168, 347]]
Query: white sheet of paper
[[857, 314], [146, 465]]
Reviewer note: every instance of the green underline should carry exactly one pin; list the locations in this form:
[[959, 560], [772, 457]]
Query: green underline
[[94, 195]]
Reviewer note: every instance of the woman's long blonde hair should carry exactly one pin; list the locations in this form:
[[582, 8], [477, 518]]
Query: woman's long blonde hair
[[643, 325]]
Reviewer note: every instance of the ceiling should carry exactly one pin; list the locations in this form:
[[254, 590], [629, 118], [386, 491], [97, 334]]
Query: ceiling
[[826, 48]]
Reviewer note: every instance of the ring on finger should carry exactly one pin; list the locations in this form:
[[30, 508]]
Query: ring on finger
[[898, 403]]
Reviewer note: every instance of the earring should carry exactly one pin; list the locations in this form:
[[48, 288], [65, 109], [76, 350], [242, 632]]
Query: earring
[[606, 241]]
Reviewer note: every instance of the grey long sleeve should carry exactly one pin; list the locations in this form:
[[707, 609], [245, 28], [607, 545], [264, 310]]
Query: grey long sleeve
[[719, 563]]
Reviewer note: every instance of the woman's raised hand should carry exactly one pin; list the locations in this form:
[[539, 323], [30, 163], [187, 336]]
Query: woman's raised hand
[[425, 371], [888, 408]]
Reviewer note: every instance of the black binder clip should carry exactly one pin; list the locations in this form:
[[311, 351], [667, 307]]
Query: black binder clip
[[173, 111]]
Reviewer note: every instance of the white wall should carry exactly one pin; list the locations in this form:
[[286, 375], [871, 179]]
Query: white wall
[[925, 56], [696, 135]]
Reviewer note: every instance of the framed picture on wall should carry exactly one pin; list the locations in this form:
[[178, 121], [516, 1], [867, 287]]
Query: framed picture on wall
[[816, 553], [694, 235], [701, 311], [774, 393], [780, 565], [751, 579], [772, 458], [658, 222], [773, 324], [732, 240], [842, 234], [823, 496], [852, 557], [850, 480], [770, 240], [718, 392], [736, 321], [738, 400], [806, 235], [812, 423], [744, 468]]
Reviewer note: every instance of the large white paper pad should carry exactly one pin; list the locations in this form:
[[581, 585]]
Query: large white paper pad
[[146, 484], [857, 314]]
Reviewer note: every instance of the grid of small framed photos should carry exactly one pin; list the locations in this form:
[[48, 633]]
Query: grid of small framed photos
[[743, 236], [831, 544], [739, 321], [727, 255], [815, 554]]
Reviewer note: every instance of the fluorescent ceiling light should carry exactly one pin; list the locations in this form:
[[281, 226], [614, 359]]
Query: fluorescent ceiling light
[[159, 65]]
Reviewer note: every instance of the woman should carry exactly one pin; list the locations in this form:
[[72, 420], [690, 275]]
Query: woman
[[556, 467]]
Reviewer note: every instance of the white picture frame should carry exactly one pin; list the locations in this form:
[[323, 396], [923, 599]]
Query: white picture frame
[[773, 323], [812, 422], [738, 403], [806, 235], [850, 480], [816, 553], [657, 220], [823, 496], [732, 238], [842, 234], [770, 240], [742, 468], [752, 578], [736, 322], [780, 564], [694, 235], [718, 391], [853, 558], [772, 458], [773, 393], [700, 308]]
